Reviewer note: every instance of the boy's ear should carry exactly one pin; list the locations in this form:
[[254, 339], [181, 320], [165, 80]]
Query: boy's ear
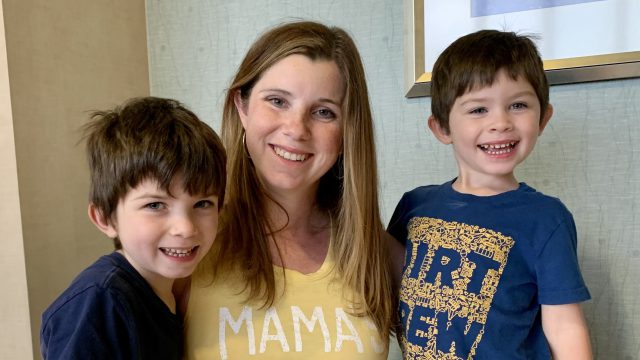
[[240, 107], [103, 224], [441, 134], [545, 119]]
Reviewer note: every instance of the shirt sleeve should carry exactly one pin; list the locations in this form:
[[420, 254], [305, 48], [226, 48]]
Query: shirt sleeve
[[557, 268], [398, 224], [90, 325]]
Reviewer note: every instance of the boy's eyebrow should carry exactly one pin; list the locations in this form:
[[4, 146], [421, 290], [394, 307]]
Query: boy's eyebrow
[[525, 93], [155, 195], [163, 195], [485, 98]]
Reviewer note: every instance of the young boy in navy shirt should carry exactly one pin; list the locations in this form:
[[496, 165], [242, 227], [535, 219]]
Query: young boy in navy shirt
[[491, 270], [157, 183]]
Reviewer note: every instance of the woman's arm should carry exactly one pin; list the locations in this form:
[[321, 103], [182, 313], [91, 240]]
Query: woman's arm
[[566, 330], [396, 255]]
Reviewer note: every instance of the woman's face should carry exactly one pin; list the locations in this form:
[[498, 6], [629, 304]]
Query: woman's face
[[293, 123]]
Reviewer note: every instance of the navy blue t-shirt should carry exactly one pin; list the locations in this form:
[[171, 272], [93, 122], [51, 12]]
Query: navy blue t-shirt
[[477, 269], [110, 312]]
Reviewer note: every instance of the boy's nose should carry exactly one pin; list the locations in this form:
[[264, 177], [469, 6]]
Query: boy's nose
[[183, 226], [296, 125], [501, 122]]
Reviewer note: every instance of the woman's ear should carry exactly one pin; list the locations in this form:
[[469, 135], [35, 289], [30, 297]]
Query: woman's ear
[[441, 134], [102, 223], [545, 119], [241, 107]]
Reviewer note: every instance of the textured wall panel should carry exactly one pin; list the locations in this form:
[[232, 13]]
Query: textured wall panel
[[588, 155]]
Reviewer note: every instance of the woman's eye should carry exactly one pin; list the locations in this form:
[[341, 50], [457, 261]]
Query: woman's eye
[[277, 102], [326, 114]]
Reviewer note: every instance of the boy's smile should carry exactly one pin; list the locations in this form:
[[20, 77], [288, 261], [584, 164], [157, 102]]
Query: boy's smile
[[498, 149], [492, 130], [179, 253]]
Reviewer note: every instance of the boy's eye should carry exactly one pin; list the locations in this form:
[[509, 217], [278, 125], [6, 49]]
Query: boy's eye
[[519, 106], [204, 204], [154, 206], [480, 110]]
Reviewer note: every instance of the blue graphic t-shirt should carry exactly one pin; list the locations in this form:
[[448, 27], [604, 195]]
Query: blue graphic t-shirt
[[477, 269]]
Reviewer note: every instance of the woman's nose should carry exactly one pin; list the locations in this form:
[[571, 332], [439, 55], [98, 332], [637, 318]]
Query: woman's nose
[[296, 125]]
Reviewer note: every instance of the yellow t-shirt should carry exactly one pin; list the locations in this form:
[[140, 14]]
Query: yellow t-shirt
[[309, 321]]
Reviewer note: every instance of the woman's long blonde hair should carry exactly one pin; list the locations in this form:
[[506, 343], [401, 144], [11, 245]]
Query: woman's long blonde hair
[[348, 192]]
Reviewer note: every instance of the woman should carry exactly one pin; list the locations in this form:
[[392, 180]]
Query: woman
[[300, 264]]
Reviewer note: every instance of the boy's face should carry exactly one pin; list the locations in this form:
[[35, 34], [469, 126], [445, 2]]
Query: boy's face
[[164, 236], [493, 129]]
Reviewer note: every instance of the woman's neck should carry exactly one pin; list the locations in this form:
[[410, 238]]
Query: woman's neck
[[301, 233], [295, 210], [297, 217]]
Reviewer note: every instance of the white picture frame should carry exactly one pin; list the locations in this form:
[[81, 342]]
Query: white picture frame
[[590, 40]]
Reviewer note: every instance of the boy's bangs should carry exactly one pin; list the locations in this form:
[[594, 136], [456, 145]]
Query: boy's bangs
[[480, 77], [199, 173]]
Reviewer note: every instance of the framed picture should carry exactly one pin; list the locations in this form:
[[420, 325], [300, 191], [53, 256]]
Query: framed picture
[[579, 40]]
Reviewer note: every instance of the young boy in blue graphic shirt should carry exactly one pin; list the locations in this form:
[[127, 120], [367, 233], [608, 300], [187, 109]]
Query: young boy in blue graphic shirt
[[491, 270], [157, 183]]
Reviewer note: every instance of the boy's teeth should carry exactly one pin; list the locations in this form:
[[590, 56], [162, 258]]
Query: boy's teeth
[[177, 252], [290, 156], [498, 148]]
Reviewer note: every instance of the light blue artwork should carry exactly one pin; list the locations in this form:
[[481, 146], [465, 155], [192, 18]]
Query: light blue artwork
[[494, 7]]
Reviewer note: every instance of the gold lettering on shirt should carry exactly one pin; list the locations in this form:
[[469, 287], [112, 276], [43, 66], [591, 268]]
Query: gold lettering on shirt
[[452, 274]]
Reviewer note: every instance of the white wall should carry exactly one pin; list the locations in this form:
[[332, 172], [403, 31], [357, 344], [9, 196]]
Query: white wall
[[588, 155]]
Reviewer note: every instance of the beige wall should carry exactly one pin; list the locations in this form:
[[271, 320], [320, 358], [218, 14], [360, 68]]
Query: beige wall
[[64, 58], [14, 307]]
